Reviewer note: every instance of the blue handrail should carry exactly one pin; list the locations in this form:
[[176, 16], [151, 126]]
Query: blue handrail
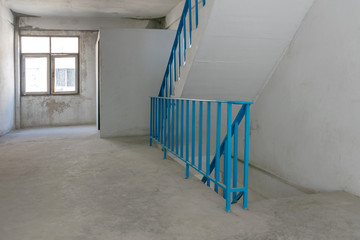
[[165, 130], [178, 50]]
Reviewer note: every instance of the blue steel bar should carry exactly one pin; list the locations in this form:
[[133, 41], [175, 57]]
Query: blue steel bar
[[187, 138], [190, 20], [235, 164], [175, 66], [184, 22], [166, 86], [165, 114], [208, 133], [179, 47], [171, 82], [204, 2], [161, 121], [158, 120], [164, 122], [218, 132], [227, 169], [156, 105], [151, 120], [246, 155], [200, 134], [172, 124], [197, 13], [177, 126], [169, 117], [182, 130], [193, 135], [224, 164]]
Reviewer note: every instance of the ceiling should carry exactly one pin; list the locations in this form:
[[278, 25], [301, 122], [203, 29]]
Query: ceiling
[[93, 8]]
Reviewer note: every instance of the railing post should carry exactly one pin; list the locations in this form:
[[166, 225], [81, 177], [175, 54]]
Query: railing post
[[184, 24], [187, 138], [182, 130], [235, 164], [193, 134], [208, 133], [246, 155], [177, 126], [172, 124], [197, 13], [200, 134], [161, 121], [169, 123], [217, 159], [190, 21], [151, 120], [228, 159]]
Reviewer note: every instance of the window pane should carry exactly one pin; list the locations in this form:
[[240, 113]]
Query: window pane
[[36, 74], [65, 74], [64, 45], [35, 45]]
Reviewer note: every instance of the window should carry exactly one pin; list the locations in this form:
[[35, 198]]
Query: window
[[49, 65]]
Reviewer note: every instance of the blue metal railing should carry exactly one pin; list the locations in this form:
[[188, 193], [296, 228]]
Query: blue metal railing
[[178, 50], [170, 127]]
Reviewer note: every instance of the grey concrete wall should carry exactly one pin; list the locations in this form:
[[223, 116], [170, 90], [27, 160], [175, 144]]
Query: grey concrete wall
[[7, 83], [241, 46], [39, 111], [86, 23], [305, 125], [133, 63]]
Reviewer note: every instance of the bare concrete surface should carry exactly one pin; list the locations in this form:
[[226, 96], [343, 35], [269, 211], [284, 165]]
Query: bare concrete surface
[[67, 183]]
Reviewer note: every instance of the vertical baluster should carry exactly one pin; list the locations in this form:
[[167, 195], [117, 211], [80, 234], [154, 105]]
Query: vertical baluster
[[187, 138], [217, 159], [190, 21], [169, 124], [228, 159], [200, 133], [172, 124], [171, 82], [164, 119], [161, 121], [179, 52], [182, 130], [193, 135], [246, 155], [197, 13], [175, 65], [151, 120], [184, 24], [155, 117], [166, 85], [204, 2], [208, 133], [235, 167], [177, 126]]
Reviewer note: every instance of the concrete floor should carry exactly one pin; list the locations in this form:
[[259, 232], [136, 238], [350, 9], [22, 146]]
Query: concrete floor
[[67, 183]]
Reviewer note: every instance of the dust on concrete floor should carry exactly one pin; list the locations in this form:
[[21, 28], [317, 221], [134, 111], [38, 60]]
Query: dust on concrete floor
[[67, 183]]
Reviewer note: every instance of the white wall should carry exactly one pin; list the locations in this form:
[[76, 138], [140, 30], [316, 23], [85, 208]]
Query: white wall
[[133, 63], [7, 83], [242, 44], [305, 125], [52, 110]]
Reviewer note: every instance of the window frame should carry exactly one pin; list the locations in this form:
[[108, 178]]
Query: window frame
[[23, 79], [52, 80], [51, 67]]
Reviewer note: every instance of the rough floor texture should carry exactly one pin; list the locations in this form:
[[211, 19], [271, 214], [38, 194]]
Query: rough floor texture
[[67, 183]]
